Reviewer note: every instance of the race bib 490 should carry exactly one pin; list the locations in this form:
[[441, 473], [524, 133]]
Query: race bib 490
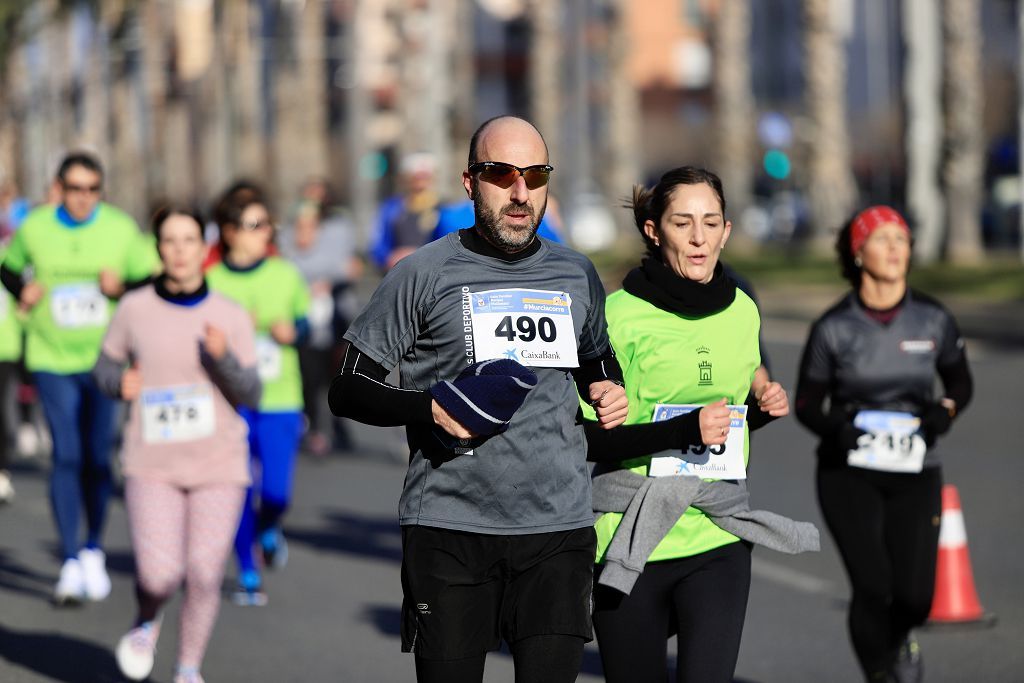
[[530, 326]]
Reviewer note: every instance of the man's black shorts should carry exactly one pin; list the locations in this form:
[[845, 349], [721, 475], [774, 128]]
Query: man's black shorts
[[464, 592]]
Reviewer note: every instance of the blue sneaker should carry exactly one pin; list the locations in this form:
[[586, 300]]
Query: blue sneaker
[[275, 548], [249, 592]]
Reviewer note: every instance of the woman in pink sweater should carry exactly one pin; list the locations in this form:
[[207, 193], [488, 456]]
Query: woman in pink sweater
[[185, 357]]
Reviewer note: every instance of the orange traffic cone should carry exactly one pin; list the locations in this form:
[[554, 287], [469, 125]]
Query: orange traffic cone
[[956, 600]]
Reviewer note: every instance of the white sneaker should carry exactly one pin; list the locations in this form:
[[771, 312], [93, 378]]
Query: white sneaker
[[136, 649], [94, 572], [70, 588], [27, 440], [6, 490]]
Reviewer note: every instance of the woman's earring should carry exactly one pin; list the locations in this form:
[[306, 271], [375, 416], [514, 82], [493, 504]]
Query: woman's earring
[[857, 261], [657, 243]]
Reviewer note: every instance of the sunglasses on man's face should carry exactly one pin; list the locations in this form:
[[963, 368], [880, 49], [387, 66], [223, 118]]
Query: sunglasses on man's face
[[82, 189], [253, 226], [504, 175]]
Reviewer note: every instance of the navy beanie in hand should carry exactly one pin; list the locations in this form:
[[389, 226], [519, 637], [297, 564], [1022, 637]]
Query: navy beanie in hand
[[485, 396]]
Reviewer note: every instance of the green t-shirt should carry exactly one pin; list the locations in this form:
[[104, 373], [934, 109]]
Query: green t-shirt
[[670, 358], [273, 291], [10, 324], [65, 329]]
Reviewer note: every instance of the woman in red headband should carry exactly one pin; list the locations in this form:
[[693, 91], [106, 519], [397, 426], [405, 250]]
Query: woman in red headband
[[872, 358]]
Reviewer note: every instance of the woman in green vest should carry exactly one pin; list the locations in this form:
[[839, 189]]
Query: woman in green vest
[[276, 296], [687, 341]]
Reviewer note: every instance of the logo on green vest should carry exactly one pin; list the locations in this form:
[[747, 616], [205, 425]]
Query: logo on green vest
[[704, 368]]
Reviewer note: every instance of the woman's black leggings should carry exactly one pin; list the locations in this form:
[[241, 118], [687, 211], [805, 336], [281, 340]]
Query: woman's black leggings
[[703, 598], [886, 526], [8, 384]]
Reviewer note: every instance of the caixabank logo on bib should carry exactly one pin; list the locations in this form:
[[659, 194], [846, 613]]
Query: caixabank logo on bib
[[527, 354]]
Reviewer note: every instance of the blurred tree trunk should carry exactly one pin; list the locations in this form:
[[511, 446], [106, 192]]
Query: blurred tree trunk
[[464, 80], [922, 85], [424, 93], [362, 189], [193, 33], [300, 136], [13, 83], [547, 64], [832, 189], [624, 163], [153, 22], [217, 132], [734, 101], [243, 86], [965, 148]]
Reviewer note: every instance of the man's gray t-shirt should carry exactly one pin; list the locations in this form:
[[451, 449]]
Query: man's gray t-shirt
[[533, 477]]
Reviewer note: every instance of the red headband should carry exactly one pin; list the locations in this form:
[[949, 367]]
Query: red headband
[[869, 219]]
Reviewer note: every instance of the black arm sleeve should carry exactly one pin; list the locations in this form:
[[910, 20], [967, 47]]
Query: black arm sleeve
[[635, 441], [107, 373], [756, 418], [957, 381], [810, 401], [360, 392], [12, 281], [241, 385], [605, 367]]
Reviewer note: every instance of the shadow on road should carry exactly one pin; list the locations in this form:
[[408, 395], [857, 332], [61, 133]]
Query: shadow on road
[[352, 534], [20, 579], [58, 657]]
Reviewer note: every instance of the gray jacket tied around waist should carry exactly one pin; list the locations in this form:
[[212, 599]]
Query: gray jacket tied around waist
[[652, 505]]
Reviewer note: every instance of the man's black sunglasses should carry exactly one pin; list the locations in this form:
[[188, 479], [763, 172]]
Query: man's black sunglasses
[[504, 175]]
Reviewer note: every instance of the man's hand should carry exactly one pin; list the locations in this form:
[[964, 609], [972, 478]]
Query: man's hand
[[215, 342], [772, 399], [714, 423], [283, 332], [111, 284], [131, 384], [444, 420], [609, 402], [30, 295]]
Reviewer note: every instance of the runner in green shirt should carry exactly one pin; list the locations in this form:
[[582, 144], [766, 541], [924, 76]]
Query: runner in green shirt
[[10, 354], [83, 255], [275, 295], [687, 339]]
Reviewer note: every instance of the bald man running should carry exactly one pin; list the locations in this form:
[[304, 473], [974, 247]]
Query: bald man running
[[497, 532]]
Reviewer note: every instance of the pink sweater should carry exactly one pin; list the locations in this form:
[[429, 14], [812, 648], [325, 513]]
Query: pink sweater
[[182, 429]]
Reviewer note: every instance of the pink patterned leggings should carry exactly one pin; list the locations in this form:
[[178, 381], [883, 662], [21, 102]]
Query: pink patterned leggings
[[180, 534]]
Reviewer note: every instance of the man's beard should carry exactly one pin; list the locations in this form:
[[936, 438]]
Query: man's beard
[[507, 238]]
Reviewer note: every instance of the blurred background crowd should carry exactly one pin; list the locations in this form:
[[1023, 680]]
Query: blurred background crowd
[[806, 108]]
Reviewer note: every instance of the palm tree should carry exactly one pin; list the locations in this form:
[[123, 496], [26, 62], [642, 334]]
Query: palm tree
[[922, 84], [832, 189], [734, 100], [965, 154], [546, 66]]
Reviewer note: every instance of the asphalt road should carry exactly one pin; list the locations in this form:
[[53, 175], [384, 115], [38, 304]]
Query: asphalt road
[[333, 612]]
